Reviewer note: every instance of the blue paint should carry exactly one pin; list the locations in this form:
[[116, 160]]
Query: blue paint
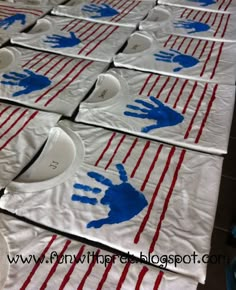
[[30, 81], [193, 25], [59, 41], [203, 3], [87, 188], [157, 111], [231, 275], [123, 199], [8, 21], [103, 10], [84, 199], [174, 56]]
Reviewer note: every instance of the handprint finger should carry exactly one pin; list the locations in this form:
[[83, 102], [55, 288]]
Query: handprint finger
[[164, 53], [137, 108], [87, 188], [176, 51], [122, 172], [136, 115], [151, 127], [100, 178], [84, 199], [18, 75], [8, 83], [145, 104], [165, 60], [156, 101], [9, 77], [90, 10]]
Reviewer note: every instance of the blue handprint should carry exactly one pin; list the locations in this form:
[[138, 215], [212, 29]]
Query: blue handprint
[[163, 115], [123, 199], [7, 22], [203, 3], [59, 41], [104, 10], [175, 56], [30, 81], [194, 25]]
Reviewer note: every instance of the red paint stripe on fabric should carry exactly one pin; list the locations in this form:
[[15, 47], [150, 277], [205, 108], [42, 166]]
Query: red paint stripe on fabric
[[153, 86], [171, 90], [105, 149], [180, 93], [130, 150], [217, 60], [163, 87], [145, 148], [226, 25], [219, 24], [207, 60], [45, 64], [123, 276], [145, 83], [115, 151], [158, 280], [190, 97], [140, 277], [33, 58], [105, 274], [14, 123]]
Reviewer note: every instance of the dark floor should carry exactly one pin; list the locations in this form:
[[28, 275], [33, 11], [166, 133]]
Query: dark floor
[[225, 217]]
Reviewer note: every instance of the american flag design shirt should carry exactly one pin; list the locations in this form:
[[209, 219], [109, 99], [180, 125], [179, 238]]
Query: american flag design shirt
[[22, 133], [121, 100], [57, 262], [44, 80], [127, 13], [76, 38], [16, 17], [191, 23], [174, 55], [223, 6], [143, 191]]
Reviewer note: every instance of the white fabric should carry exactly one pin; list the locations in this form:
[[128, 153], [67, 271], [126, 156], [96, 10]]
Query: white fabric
[[22, 133], [164, 205], [10, 9], [88, 273], [68, 79], [37, 2], [183, 21], [3, 259], [204, 126], [209, 5], [98, 41], [130, 12], [212, 60]]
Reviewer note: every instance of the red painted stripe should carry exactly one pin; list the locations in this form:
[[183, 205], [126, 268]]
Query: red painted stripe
[[54, 66], [182, 14], [64, 78], [167, 41], [213, 97], [208, 58], [151, 167], [115, 151], [226, 25], [105, 149], [130, 150], [140, 277], [28, 280], [153, 85], [91, 50], [154, 196], [203, 49], [203, 15], [43, 65], [105, 274], [73, 27], [196, 47], [222, 3], [88, 272], [54, 267], [145, 148], [158, 281], [86, 30], [4, 14], [217, 60], [163, 87], [33, 58], [173, 44], [71, 270], [227, 6], [190, 97], [191, 11], [4, 110], [69, 23], [119, 7], [123, 276], [63, 67], [219, 24], [189, 45], [9, 117], [180, 93], [208, 18], [216, 16], [21, 11], [14, 123], [132, 8], [196, 111], [196, 15], [167, 200], [146, 82], [65, 86], [26, 9], [171, 90], [181, 43], [43, 57]]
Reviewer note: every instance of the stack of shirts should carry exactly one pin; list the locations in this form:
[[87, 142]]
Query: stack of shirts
[[144, 209]]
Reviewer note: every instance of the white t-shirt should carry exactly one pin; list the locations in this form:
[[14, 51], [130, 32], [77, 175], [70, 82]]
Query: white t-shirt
[[132, 194], [22, 133], [16, 17], [73, 37], [127, 13], [209, 5], [44, 80], [181, 112], [37, 2], [191, 23], [79, 266], [180, 56]]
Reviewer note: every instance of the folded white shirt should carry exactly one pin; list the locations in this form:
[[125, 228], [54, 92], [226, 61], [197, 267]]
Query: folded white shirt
[[16, 17], [181, 112], [67, 264], [125, 13], [190, 23], [73, 37], [224, 6], [22, 133], [186, 57], [44, 80], [37, 2], [153, 198]]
